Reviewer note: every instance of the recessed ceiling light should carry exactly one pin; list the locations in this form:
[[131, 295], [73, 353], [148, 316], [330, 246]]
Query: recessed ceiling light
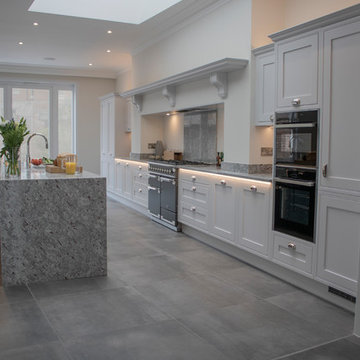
[[130, 11], [109, 32], [168, 114], [20, 43], [108, 51], [35, 23], [90, 64]]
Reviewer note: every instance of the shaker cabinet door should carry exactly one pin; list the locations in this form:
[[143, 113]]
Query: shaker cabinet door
[[297, 72], [340, 146], [265, 89], [339, 241]]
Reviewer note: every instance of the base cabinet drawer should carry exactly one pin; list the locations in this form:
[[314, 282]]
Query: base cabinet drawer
[[140, 193], [293, 252], [193, 215], [194, 193]]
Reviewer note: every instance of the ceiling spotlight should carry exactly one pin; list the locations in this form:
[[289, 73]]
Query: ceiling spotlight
[[109, 32], [168, 114], [20, 43], [36, 24], [90, 64], [108, 51]]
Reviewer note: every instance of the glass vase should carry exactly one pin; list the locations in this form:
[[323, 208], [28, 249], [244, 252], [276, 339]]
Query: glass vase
[[13, 163]]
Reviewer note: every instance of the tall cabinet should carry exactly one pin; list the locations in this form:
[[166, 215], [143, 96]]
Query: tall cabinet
[[114, 135]]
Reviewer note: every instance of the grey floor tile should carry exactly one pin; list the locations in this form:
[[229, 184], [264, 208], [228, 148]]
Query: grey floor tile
[[209, 260], [73, 286], [163, 341], [13, 294], [145, 270], [192, 294], [96, 312], [317, 311], [255, 281], [256, 329], [49, 351], [338, 350], [23, 324]]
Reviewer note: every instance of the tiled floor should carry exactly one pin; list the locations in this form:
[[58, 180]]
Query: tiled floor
[[169, 297]]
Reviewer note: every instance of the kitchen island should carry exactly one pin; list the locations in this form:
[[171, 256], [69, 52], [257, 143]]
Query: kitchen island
[[52, 227]]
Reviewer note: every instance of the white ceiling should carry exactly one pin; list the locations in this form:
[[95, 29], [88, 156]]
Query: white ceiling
[[75, 42]]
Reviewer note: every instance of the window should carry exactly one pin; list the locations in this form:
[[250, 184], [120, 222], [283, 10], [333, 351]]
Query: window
[[48, 110]]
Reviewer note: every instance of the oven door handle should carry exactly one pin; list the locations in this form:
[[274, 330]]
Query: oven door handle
[[293, 126], [296, 182], [167, 180], [153, 176]]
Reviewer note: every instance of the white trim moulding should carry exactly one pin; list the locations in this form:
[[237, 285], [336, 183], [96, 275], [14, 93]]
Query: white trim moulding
[[216, 71]]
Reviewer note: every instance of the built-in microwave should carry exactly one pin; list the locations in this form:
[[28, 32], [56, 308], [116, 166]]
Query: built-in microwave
[[296, 138]]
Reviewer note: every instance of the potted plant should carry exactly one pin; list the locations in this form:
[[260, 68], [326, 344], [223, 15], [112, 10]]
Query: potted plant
[[13, 134]]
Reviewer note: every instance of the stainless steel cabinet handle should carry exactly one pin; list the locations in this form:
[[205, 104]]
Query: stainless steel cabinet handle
[[292, 246], [253, 188], [193, 188], [324, 170], [193, 178], [223, 182], [193, 208], [296, 102]]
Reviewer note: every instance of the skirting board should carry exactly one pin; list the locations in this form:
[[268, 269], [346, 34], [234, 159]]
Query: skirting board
[[291, 277]]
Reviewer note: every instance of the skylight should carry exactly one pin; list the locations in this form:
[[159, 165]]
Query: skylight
[[127, 11]]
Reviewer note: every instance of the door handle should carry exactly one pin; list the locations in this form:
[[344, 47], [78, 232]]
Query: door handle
[[324, 170]]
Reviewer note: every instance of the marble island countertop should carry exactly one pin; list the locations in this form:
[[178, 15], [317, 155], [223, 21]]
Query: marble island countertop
[[40, 173]]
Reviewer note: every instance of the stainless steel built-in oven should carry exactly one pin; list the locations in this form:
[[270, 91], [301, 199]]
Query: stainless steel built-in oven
[[296, 138], [295, 203], [296, 142]]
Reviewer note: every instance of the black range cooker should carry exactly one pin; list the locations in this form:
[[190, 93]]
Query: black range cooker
[[163, 188]]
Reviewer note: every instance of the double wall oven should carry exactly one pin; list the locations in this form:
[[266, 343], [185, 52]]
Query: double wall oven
[[295, 177]]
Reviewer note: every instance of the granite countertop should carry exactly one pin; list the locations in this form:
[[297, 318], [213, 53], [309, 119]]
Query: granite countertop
[[213, 169], [41, 174]]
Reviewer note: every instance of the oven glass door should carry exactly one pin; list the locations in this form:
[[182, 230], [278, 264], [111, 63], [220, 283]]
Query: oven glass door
[[295, 210], [154, 195], [296, 145]]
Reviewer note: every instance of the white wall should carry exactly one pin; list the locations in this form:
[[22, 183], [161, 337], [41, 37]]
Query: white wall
[[208, 39], [88, 91], [270, 16]]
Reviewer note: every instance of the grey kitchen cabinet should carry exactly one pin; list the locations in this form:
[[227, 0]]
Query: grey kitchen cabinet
[[223, 207], [254, 211], [264, 86], [297, 61], [339, 240], [340, 119]]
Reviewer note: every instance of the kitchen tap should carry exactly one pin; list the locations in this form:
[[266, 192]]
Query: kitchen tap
[[28, 158]]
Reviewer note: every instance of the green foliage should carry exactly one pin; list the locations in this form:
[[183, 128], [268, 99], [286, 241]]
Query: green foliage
[[13, 134]]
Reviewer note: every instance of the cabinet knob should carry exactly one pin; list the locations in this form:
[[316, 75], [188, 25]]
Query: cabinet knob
[[140, 175], [253, 188], [296, 102], [193, 208], [127, 164], [140, 167], [291, 246], [271, 118], [193, 178], [223, 182], [193, 188], [140, 190]]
